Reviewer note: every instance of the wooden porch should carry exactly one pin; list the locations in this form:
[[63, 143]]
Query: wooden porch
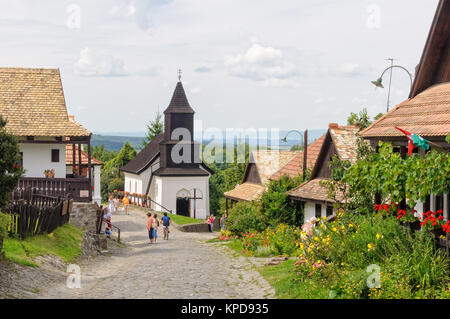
[[78, 188]]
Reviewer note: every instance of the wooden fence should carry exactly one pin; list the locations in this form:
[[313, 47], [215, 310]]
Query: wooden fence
[[33, 213], [78, 188]]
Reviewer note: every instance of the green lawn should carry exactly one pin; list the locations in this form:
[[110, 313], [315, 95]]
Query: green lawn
[[182, 220], [65, 242]]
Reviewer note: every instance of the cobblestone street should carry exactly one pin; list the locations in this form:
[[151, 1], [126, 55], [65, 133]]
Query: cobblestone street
[[182, 267]]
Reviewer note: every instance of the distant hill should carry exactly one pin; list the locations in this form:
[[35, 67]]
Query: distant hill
[[115, 143]]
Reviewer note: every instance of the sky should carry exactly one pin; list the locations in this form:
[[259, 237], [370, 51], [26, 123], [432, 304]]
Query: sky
[[287, 64]]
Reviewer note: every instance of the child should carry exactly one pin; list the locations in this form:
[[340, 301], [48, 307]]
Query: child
[[211, 223], [107, 218], [126, 203], [149, 227]]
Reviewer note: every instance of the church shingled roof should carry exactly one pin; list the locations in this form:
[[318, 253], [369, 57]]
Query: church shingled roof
[[179, 102], [145, 157]]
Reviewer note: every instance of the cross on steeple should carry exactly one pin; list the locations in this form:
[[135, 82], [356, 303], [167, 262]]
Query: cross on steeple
[[179, 74]]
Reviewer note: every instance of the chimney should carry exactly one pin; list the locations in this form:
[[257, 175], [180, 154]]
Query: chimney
[[72, 117], [333, 125]]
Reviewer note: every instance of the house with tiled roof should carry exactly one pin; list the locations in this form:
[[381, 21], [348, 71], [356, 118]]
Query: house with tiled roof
[[294, 167], [426, 112], [262, 164], [169, 168], [32, 103], [341, 141]]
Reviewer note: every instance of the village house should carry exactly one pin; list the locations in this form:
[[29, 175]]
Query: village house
[[340, 141], [426, 112], [33, 104], [266, 165], [262, 164], [178, 186]]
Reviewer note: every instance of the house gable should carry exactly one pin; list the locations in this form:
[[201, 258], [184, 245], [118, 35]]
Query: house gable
[[434, 65], [251, 174]]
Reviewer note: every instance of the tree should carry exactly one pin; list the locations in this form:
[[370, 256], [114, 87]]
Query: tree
[[10, 171], [361, 119], [111, 177], [154, 128]]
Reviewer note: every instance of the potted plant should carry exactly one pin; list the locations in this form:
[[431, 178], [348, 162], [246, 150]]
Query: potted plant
[[434, 222], [408, 219], [49, 173]]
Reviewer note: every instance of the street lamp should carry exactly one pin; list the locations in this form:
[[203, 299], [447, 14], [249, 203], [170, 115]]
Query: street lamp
[[305, 147], [378, 82]]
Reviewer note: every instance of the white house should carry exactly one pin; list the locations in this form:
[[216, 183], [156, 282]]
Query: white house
[[340, 141], [32, 103], [169, 170]]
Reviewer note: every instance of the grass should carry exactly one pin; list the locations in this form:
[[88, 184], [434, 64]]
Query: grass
[[183, 220], [281, 278], [236, 245], [64, 242]]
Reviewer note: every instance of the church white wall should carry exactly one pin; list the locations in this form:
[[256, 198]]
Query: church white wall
[[133, 183], [168, 188], [38, 157]]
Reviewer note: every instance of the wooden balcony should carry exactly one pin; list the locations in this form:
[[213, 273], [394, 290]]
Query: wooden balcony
[[77, 188]]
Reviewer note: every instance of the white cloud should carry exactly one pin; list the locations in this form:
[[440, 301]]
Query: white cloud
[[93, 64], [195, 90], [359, 100], [264, 64]]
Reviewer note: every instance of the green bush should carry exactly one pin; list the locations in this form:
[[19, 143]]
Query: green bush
[[276, 205], [4, 223], [246, 217]]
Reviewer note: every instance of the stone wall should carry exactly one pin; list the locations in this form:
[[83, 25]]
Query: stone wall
[[194, 228], [94, 244], [84, 215]]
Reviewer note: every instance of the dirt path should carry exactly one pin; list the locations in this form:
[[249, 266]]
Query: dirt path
[[183, 267]]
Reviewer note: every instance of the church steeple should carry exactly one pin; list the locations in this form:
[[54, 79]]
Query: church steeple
[[179, 102]]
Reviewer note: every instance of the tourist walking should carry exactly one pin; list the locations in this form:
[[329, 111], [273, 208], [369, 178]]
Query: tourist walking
[[223, 219], [211, 223], [111, 204], [126, 203], [166, 224], [116, 203], [149, 227], [155, 226]]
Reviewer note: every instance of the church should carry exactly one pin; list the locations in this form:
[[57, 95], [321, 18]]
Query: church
[[169, 168]]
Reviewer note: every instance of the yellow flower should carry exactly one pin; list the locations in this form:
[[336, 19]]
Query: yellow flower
[[334, 229], [379, 236]]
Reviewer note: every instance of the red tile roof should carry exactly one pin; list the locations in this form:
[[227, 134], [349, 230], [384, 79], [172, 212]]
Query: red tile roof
[[427, 114], [345, 140], [294, 167], [84, 157]]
